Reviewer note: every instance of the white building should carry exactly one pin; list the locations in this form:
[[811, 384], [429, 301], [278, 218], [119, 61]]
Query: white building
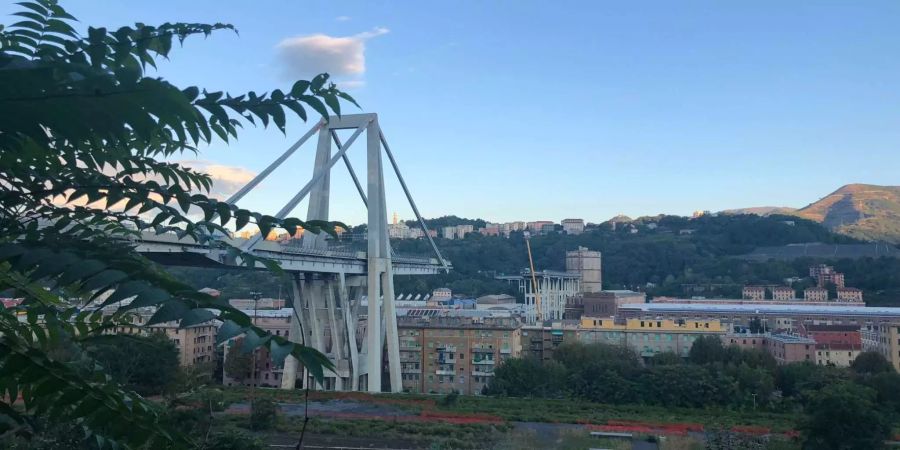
[[573, 226]]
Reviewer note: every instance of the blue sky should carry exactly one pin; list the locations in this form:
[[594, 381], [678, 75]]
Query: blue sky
[[535, 110]]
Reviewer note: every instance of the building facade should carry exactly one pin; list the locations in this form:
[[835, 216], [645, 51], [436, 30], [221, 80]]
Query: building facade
[[753, 293], [573, 226], [588, 264], [783, 293], [447, 354], [883, 338], [649, 337], [815, 294], [851, 295]]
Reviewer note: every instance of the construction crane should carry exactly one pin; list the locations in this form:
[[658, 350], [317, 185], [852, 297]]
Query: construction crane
[[534, 284]]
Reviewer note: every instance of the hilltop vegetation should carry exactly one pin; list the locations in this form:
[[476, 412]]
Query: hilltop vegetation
[[668, 252]]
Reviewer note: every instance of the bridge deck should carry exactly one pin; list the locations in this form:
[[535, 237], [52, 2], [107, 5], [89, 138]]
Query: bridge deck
[[171, 250]]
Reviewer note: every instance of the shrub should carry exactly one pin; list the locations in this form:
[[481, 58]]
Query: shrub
[[263, 414]]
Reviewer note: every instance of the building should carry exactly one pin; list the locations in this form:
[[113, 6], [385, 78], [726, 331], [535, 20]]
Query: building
[[754, 293], [773, 316], [440, 295], [263, 303], [847, 294], [541, 341], [825, 275], [398, 230], [783, 293], [447, 354], [196, 343], [539, 226], [588, 264], [790, 348], [553, 296], [448, 233], [836, 345], [815, 294], [264, 371], [883, 338], [457, 232], [606, 303], [573, 226], [649, 337]]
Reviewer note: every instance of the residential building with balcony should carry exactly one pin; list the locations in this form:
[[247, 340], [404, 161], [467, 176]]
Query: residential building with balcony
[[446, 354]]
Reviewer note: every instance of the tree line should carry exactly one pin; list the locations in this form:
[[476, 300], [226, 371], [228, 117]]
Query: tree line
[[843, 408]]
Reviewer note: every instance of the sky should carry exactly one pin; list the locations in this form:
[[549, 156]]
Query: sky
[[537, 110]]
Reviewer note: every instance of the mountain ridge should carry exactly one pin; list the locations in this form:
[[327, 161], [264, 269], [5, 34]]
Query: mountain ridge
[[864, 211]]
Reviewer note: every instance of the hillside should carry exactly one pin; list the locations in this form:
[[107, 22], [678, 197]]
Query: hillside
[[762, 210], [863, 211]]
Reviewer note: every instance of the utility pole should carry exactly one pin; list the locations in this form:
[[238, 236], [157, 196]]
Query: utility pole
[[255, 296]]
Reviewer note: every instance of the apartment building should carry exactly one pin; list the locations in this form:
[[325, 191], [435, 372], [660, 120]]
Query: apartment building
[[573, 226], [789, 348], [783, 293], [852, 295], [541, 341], [754, 293], [649, 337], [196, 343], [264, 371], [446, 354], [885, 339], [815, 294]]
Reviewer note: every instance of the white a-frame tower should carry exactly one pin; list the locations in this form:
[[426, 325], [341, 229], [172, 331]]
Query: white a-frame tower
[[327, 298]]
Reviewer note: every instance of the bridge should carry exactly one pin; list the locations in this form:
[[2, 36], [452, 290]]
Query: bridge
[[328, 277]]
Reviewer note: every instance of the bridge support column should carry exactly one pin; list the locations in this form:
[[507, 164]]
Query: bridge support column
[[380, 272]]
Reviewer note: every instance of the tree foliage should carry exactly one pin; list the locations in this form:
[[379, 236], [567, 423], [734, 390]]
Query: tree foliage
[[144, 364], [845, 416], [85, 139]]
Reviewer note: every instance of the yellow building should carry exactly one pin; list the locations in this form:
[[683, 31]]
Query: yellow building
[[649, 337]]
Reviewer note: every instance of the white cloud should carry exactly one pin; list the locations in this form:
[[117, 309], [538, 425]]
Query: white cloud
[[302, 57], [342, 18], [226, 179]]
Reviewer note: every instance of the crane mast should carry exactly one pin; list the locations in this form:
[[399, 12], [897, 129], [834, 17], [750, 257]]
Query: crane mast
[[534, 284]]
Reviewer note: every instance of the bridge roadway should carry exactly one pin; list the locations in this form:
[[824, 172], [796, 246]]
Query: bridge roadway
[[168, 249]]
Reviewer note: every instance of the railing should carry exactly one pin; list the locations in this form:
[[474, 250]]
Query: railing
[[444, 372], [482, 350], [482, 361]]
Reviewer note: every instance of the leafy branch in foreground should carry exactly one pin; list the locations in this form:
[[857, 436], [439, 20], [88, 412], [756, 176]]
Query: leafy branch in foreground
[[84, 138]]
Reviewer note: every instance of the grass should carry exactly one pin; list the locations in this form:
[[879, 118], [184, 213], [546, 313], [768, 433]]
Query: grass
[[573, 411]]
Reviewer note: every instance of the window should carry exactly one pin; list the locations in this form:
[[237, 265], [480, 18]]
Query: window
[[658, 324]]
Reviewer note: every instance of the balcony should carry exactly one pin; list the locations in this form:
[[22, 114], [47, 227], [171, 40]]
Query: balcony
[[444, 372], [483, 361], [446, 360], [447, 349], [505, 351], [410, 356], [481, 373], [410, 370], [482, 350]]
